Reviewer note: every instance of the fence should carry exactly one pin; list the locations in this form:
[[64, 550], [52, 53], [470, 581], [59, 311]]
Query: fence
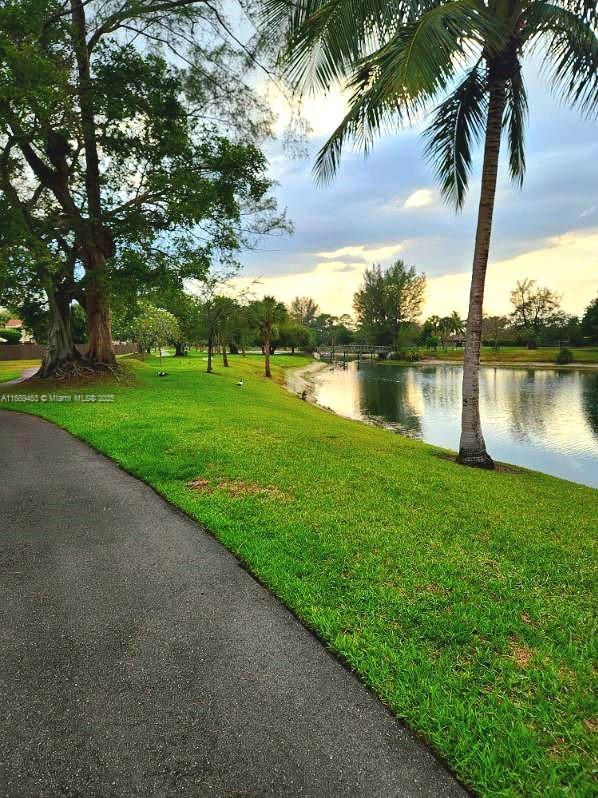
[[37, 351]]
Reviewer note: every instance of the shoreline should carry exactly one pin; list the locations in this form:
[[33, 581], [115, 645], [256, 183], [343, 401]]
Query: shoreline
[[299, 380], [300, 383], [539, 364]]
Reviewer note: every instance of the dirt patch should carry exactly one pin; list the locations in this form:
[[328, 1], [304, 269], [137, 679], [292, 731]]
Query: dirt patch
[[199, 484], [238, 488], [503, 468], [436, 590], [521, 654]]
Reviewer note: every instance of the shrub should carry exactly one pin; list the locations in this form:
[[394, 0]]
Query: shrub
[[10, 335], [564, 356], [410, 355]]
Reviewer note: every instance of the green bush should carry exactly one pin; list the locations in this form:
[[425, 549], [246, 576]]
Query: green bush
[[410, 355], [564, 356], [10, 335]]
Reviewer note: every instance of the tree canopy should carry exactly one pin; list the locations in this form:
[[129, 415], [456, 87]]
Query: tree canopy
[[388, 301], [128, 131]]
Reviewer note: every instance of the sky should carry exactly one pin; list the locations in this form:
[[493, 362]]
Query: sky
[[387, 206]]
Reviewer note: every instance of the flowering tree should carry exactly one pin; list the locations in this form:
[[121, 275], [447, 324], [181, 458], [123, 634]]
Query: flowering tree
[[155, 327]]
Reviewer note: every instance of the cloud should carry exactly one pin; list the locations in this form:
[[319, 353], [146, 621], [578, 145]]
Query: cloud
[[321, 112], [568, 264], [366, 254], [331, 283], [419, 199]]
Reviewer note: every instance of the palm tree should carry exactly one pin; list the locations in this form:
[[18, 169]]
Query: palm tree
[[457, 323], [269, 313], [446, 328], [399, 58], [454, 324]]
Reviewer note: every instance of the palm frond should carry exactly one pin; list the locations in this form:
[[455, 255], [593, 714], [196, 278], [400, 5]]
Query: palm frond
[[458, 123], [406, 74], [364, 121], [570, 52], [323, 38], [514, 121]]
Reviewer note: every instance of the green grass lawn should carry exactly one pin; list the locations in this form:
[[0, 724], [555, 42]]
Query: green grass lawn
[[12, 369], [464, 598], [518, 354]]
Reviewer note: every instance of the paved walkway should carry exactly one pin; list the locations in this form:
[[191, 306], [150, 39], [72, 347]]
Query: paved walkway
[[25, 374], [139, 659]]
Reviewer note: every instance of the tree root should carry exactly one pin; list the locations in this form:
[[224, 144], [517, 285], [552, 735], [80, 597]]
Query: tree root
[[78, 369]]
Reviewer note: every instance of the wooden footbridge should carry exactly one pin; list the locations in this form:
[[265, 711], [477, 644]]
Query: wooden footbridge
[[344, 352]]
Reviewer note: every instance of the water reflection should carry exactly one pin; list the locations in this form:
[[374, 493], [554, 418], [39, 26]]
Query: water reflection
[[590, 402], [530, 398], [394, 401], [540, 418]]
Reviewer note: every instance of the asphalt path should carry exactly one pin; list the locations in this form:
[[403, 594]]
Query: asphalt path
[[138, 658]]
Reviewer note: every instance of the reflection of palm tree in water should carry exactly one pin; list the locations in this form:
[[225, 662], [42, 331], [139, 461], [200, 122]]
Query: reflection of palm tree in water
[[589, 400], [387, 393], [531, 399], [440, 388]]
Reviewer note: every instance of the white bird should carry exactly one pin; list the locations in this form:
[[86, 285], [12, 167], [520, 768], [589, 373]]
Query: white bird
[[240, 383]]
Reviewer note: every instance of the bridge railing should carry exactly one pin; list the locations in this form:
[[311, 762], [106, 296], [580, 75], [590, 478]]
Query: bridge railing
[[354, 348]]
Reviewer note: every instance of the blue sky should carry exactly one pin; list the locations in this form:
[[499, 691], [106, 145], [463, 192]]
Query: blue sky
[[548, 230]]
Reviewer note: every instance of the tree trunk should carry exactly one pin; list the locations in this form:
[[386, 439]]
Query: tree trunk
[[97, 303], [472, 447], [210, 347], [62, 357], [99, 350], [179, 349], [97, 244], [224, 355], [267, 352]]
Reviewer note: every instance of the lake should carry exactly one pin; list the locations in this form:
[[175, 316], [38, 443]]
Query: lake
[[545, 419]]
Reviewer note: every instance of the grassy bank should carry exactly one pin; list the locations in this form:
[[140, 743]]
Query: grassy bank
[[517, 354], [463, 598], [12, 369]]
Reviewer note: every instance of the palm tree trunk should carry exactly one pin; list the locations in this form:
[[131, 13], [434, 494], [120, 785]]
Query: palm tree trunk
[[472, 447]]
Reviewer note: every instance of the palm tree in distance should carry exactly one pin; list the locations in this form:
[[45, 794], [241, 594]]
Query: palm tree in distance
[[269, 313], [457, 323], [399, 58]]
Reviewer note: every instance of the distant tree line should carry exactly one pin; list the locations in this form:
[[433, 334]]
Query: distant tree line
[[387, 308]]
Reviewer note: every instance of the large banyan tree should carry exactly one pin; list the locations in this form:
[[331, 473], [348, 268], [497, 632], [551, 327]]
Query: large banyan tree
[[127, 132]]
